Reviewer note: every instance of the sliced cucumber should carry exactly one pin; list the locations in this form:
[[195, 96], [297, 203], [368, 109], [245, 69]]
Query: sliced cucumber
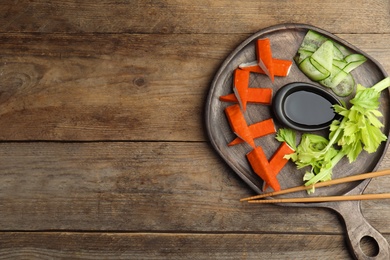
[[319, 66], [328, 62], [301, 55], [312, 41], [345, 87], [337, 54], [338, 78], [353, 65], [342, 49], [312, 72], [328, 82], [340, 82], [340, 64], [324, 55], [355, 57]]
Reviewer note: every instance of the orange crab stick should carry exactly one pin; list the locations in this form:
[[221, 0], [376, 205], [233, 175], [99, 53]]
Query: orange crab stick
[[255, 95], [278, 161], [240, 86], [281, 67], [264, 57], [260, 165], [258, 130], [238, 124]]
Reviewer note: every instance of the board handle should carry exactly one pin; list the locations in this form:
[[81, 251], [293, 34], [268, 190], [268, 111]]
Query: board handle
[[358, 228]]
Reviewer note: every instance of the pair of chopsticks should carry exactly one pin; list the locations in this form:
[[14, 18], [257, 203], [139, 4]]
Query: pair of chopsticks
[[259, 198]]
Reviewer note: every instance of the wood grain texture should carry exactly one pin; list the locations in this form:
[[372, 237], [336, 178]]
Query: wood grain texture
[[162, 16], [133, 186], [128, 87], [65, 245], [105, 100]]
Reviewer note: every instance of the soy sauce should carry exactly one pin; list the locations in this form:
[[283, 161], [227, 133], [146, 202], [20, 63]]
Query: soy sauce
[[308, 108], [304, 107]]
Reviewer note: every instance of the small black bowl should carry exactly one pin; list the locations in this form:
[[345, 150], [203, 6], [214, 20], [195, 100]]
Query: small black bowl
[[304, 107]]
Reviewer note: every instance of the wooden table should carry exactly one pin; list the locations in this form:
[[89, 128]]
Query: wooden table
[[103, 151]]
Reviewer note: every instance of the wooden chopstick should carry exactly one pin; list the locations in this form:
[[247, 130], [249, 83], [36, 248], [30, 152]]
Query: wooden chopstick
[[325, 199], [321, 184]]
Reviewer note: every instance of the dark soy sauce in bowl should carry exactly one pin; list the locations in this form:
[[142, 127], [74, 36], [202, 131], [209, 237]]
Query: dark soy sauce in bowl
[[304, 107]]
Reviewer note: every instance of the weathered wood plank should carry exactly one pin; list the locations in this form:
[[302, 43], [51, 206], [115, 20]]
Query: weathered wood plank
[[143, 187], [219, 17], [65, 245], [62, 87], [127, 186]]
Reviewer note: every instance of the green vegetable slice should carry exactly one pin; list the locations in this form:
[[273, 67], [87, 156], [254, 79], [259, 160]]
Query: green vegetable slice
[[331, 62], [352, 65], [313, 72], [341, 64], [328, 82], [341, 82], [301, 55], [355, 57], [312, 41], [319, 66], [346, 86], [337, 54], [342, 49], [338, 78], [324, 55]]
